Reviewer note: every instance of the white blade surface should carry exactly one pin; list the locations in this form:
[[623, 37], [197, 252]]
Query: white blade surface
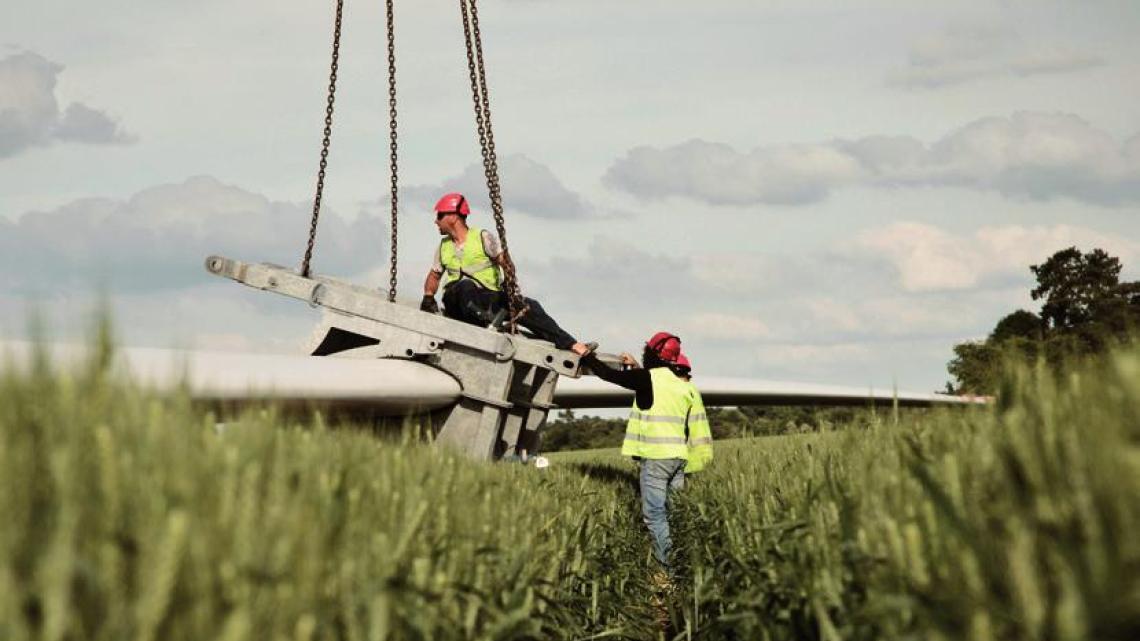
[[393, 386], [387, 386], [593, 392]]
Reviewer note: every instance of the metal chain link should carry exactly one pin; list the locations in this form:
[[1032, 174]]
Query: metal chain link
[[516, 304], [392, 143], [325, 141]]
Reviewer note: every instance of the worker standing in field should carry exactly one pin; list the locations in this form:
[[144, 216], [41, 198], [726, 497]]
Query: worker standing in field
[[472, 280], [655, 433], [697, 428]]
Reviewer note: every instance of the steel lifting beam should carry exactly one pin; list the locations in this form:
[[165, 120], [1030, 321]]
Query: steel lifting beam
[[507, 381]]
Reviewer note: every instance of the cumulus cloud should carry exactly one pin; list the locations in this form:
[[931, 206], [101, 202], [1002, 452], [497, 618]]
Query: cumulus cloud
[[159, 238], [214, 315], [963, 53], [1036, 156], [938, 315], [927, 258], [613, 274], [723, 327], [717, 174], [30, 115], [813, 353], [528, 187]]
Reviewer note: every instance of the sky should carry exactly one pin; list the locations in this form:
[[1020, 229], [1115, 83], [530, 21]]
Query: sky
[[829, 192]]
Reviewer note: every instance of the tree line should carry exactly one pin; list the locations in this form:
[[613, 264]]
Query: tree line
[[1085, 310]]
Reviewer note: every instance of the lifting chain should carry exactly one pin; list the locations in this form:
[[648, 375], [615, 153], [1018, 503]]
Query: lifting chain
[[392, 144], [473, 39], [325, 141]]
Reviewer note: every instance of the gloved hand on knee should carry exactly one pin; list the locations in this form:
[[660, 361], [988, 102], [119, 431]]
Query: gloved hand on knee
[[429, 305]]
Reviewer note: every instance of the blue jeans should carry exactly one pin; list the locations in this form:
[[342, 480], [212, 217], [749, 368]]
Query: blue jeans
[[658, 477]]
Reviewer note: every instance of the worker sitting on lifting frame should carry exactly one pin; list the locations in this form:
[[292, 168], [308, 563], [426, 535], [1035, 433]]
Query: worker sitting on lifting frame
[[472, 291]]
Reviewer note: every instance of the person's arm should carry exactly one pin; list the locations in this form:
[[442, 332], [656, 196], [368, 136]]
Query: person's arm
[[494, 250], [431, 285], [637, 380]]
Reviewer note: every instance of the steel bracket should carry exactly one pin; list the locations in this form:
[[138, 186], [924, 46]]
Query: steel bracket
[[507, 381]]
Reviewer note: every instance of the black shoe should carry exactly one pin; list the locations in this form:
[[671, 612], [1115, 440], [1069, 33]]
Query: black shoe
[[499, 320], [591, 347]]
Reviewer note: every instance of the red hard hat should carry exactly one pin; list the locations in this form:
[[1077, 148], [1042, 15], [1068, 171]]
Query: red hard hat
[[683, 363], [667, 346], [453, 203]]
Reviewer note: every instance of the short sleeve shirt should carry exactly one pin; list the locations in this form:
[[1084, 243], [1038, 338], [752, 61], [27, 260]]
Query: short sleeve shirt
[[490, 247]]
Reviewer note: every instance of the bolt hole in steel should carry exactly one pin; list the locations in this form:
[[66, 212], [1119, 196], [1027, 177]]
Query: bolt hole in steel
[[549, 359], [409, 352], [272, 282], [568, 364]]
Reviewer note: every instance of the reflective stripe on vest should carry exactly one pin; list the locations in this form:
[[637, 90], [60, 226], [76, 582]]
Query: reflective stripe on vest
[[642, 438], [476, 264], [659, 432], [700, 435]]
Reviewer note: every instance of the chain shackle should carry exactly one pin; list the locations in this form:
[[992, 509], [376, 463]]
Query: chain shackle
[[323, 165], [392, 145]]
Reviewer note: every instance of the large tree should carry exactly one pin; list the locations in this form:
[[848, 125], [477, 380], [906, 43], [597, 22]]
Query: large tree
[[1019, 324], [1084, 309], [1074, 285]]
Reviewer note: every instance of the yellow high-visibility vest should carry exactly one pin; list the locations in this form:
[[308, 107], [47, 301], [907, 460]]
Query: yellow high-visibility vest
[[700, 435], [476, 263], [659, 432]]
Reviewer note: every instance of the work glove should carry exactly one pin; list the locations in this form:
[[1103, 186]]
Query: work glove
[[429, 305]]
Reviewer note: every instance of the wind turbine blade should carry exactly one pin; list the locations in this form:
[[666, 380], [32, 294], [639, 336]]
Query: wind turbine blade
[[590, 392], [383, 386]]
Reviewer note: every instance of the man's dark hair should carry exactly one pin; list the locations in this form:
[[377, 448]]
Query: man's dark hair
[[650, 359]]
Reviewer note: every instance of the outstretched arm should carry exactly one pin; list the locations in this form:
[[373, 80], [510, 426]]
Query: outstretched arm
[[637, 380]]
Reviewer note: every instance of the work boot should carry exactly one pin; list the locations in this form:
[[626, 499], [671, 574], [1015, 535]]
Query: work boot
[[584, 349], [498, 322]]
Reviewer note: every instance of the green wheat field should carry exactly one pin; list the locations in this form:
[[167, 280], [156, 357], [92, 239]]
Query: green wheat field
[[126, 515]]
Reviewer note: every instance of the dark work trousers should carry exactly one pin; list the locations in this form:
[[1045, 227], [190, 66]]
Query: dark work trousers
[[467, 301]]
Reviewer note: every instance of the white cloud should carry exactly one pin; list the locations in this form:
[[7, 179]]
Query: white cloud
[[721, 326], [717, 174], [908, 316], [528, 187], [812, 354], [213, 315], [962, 53], [740, 271], [159, 238], [831, 315], [927, 258], [1035, 63], [1034, 156], [29, 110]]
